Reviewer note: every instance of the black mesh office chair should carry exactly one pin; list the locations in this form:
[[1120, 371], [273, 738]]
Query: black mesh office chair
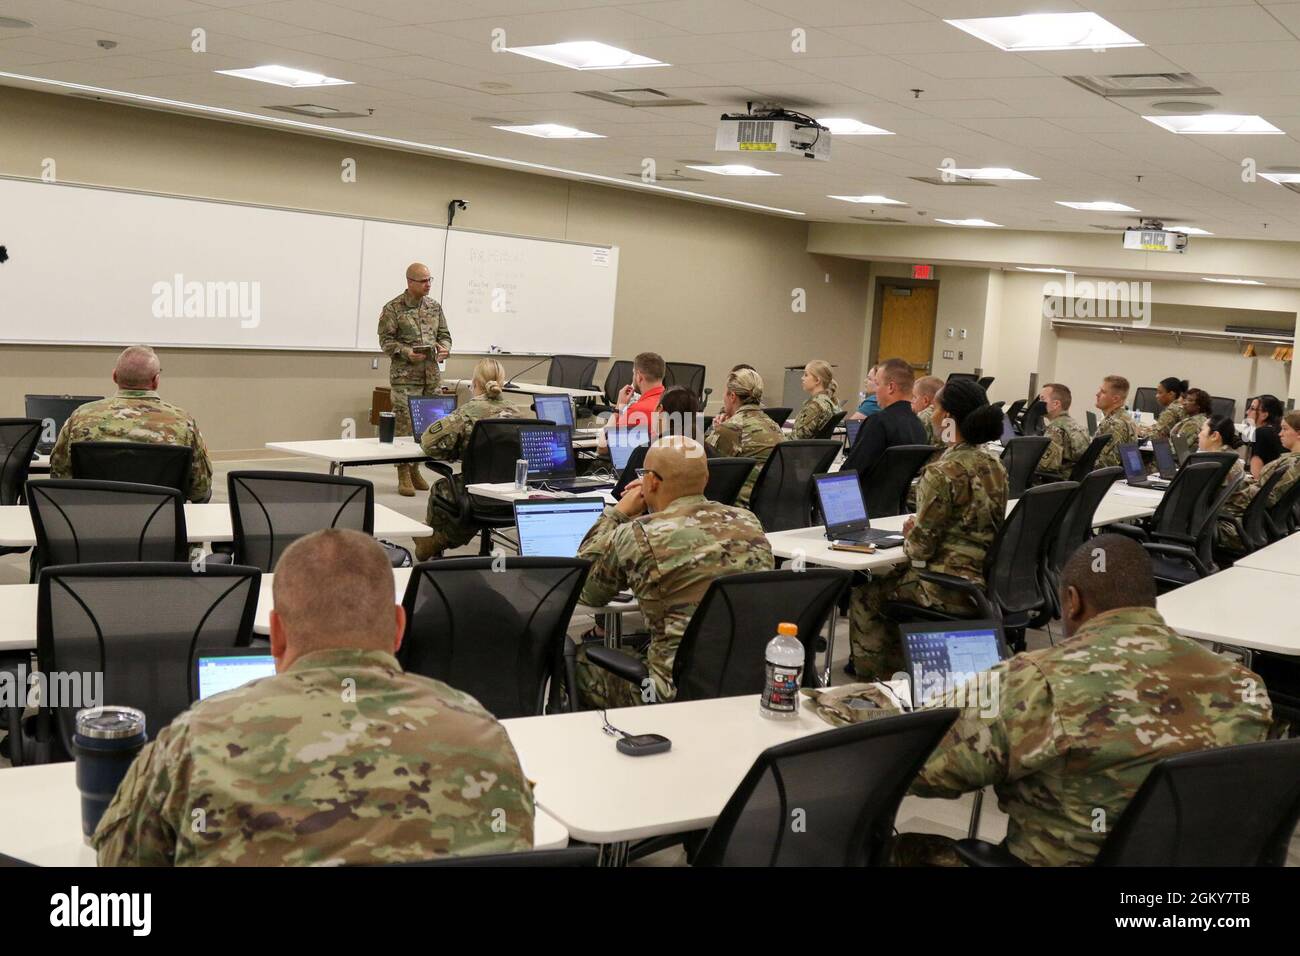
[[953, 376], [1226, 407], [18, 437], [490, 456], [886, 484], [84, 522], [828, 430], [1282, 519], [571, 371], [1031, 422], [1179, 507], [495, 633], [1075, 528], [986, 381], [1020, 457], [1144, 400], [1088, 460], [1179, 536], [619, 374], [778, 414], [141, 626], [138, 462], [1013, 591], [1014, 411], [782, 496], [850, 780], [687, 374], [726, 478], [1091, 418], [270, 510], [568, 857], [1189, 812]]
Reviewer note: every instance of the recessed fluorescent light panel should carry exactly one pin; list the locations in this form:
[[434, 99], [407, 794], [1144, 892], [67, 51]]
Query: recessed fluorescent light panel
[[1216, 124], [871, 200], [1232, 281], [840, 126], [1281, 178], [988, 172], [1047, 31], [586, 55], [1190, 230], [1098, 206], [971, 222], [551, 131], [734, 169], [285, 76]]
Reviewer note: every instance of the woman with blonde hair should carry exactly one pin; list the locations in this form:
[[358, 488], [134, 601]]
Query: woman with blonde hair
[[744, 430], [820, 407], [446, 440]]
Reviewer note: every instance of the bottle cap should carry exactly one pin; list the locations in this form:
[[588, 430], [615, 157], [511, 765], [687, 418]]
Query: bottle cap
[[786, 627]]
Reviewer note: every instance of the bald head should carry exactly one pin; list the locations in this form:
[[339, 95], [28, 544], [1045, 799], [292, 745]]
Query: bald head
[[137, 367], [418, 279], [333, 589], [680, 468]]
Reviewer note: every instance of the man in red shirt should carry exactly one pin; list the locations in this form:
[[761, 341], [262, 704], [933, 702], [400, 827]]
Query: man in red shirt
[[648, 383]]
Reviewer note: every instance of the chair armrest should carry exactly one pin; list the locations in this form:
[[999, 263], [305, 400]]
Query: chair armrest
[[982, 853], [441, 468], [1181, 552], [969, 588], [630, 668], [1129, 530]]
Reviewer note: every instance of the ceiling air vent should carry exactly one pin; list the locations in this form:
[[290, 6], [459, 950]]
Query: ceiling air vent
[[1106, 227], [645, 96], [956, 181], [317, 112], [1143, 84], [673, 177]]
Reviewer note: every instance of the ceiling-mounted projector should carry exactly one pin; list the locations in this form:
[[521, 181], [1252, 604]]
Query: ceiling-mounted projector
[[1152, 236], [771, 131]]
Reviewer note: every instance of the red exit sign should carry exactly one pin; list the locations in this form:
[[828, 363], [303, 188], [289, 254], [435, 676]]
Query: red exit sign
[[922, 272]]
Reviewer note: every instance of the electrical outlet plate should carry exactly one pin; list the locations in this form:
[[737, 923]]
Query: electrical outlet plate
[[963, 333]]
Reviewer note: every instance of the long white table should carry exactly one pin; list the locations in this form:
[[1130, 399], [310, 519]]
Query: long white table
[[203, 523], [40, 818], [505, 491], [353, 452], [1281, 557], [532, 388], [1239, 607]]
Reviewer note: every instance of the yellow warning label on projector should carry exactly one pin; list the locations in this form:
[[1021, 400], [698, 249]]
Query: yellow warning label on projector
[[759, 147]]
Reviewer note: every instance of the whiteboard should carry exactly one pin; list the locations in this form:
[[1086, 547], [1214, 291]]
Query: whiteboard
[[109, 267]]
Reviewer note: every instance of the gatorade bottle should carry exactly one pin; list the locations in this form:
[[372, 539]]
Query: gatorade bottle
[[784, 672]]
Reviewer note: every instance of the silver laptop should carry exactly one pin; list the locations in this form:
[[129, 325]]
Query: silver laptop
[[553, 528]]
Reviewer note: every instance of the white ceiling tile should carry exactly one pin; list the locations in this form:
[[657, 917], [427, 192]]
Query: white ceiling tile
[[1204, 58], [959, 66], [320, 16], [235, 23], [716, 16], [1237, 24], [839, 13]]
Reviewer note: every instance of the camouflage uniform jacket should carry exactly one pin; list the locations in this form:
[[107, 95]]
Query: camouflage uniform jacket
[[926, 415], [1069, 441], [135, 415], [403, 324], [1234, 507], [1288, 462], [669, 559], [342, 758], [1121, 428], [813, 416], [448, 437], [1188, 429], [1173, 413], [961, 502], [1076, 728], [750, 433]]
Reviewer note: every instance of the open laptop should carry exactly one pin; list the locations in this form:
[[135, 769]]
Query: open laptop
[[1135, 469], [218, 671], [559, 409], [427, 409], [943, 654], [845, 512], [555, 527], [1092, 423], [622, 441], [851, 429], [1008, 430], [56, 409], [549, 450]]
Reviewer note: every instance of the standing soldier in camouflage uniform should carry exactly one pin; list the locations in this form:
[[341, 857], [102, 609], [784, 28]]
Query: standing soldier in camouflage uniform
[[1196, 409], [820, 407], [136, 414], [339, 758], [1169, 395], [1076, 728], [668, 558], [413, 332], [1117, 423], [446, 440], [744, 430], [1069, 439], [961, 503]]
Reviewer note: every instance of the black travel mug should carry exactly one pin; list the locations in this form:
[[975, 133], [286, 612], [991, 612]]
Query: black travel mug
[[387, 425], [105, 742]]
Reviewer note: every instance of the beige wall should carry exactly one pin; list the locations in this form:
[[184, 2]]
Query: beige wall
[[697, 282]]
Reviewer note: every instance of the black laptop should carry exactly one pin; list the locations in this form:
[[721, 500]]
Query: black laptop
[[941, 655], [551, 464], [427, 409], [845, 512], [1135, 469]]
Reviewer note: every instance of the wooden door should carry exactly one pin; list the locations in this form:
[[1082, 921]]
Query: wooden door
[[907, 317]]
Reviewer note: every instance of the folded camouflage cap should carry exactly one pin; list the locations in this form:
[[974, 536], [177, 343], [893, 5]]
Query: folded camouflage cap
[[850, 703]]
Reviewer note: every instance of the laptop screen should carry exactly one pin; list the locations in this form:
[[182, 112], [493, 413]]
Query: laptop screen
[[554, 529], [941, 656], [549, 451], [53, 409], [840, 497], [427, 409], [554, 408], [1131, 458], [622, 441], [1166, 464], [851, 430], [1008, 432], [219, 673]]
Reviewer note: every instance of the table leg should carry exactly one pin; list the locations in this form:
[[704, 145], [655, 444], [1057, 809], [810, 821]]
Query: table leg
[[973, 831], [830, 645], [612, 854], [613, 629]]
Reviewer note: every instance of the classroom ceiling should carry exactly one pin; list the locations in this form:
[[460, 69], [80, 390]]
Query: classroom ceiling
[[428, 70]]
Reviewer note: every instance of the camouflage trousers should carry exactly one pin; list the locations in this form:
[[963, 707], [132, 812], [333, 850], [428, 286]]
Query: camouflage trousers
[[876, 646], [924, 849], [598, 687], [448, 532], [1227, 538], [401, 393]]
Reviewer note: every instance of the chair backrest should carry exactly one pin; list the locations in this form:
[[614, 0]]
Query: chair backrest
[[722, 651], [1189, 810], [139, 462], [848, 783], [986, 381], [885, 486], [1075, 526], [1182, 444], [726, 478], [619, 374], [495, 633], [1091, 418], [687, 374], [86, 522], [568, 857], [18, 437], [778, 414], [1223, 406], [782, 496], [832, 423], [1015, 409], [571, 371], [1021, 457], [1183, 503], [1144, 400], [1254, 520], [1031, 422], [1089, 457], [1282, 514], [492, 450], [270, 510], [1011, 567], [635, 460], [141, 626]]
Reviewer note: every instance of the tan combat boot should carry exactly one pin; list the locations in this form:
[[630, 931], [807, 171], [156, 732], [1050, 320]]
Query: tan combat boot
[[424, 549], [404, 486], [417, 479]]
